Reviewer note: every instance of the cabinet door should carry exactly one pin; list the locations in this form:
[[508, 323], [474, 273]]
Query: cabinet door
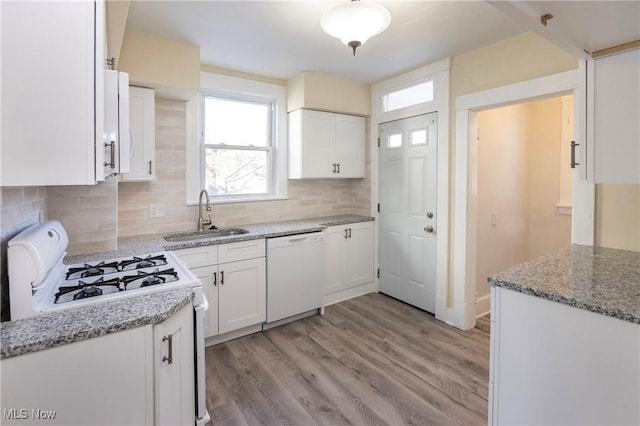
[[104, 380], [317, 130], [48, 99], [142, 119], [335, 244], [174, 378], [360, 254], [616, 108], [242, 292], [209, 277], [350, 146]]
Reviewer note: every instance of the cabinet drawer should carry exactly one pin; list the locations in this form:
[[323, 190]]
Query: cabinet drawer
[[198, 256], [241, 250]]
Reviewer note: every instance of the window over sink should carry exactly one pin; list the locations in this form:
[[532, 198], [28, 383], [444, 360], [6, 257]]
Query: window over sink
[[236, 133], [237, 141]]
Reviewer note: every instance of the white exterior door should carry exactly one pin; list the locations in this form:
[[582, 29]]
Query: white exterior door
[[408, 222]]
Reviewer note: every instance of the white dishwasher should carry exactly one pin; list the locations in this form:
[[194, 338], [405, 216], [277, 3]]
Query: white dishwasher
[[295, 275]]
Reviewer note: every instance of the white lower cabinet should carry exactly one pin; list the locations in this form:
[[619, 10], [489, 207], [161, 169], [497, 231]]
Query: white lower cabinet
[[348, 256], [174, 369], [234, 280], [103, 380], [553, 364]]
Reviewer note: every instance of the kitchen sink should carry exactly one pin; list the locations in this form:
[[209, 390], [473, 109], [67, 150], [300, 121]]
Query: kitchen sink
[[207, 233]]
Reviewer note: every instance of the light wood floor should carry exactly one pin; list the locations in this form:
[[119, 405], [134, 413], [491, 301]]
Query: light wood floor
[[368, 361]]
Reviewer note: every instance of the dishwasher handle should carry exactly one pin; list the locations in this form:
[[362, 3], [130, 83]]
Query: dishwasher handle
[[291, 240]]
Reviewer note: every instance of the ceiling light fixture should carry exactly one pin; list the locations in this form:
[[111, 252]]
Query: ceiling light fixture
[[354, 22]]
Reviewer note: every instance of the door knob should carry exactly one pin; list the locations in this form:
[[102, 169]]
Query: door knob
[[430, 215], [428, 228]]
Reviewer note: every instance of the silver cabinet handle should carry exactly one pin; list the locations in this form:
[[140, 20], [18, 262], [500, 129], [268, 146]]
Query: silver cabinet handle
[[149, 166], [168, 359], [428, 228], [112, 162], [573, 154]]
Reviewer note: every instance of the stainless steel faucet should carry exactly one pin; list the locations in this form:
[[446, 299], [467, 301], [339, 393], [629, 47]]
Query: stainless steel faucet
[[203, 222]]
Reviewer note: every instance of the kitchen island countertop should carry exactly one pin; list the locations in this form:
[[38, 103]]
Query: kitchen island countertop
[[73, 325], [597, 279], [153, 243]]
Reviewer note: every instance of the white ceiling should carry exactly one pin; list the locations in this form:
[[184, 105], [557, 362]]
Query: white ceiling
[[280, 39], [594, 25]]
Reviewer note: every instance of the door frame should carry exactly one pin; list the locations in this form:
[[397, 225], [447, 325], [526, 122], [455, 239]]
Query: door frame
[[466, 165], [439, 73]]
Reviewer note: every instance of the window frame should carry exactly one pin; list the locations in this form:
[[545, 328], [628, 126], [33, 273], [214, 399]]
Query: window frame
[[236, 87], [269, 148]]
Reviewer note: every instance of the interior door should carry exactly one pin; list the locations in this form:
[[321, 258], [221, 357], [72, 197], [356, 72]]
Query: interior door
[[408, 222]]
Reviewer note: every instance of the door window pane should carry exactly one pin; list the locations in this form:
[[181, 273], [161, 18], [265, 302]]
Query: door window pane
[[395, 141], [419, 137]]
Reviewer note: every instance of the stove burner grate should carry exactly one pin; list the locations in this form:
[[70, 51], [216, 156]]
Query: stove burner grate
[[87, 289], [89, 270], [150, 278], [143, 262]]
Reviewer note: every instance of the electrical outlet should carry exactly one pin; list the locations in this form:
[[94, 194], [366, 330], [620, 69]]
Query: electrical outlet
[[156, 210]]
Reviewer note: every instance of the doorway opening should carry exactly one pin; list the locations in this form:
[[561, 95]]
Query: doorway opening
[[524, 186]]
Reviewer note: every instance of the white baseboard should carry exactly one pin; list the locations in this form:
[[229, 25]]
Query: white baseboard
[[214, 340], [483, 306], [350, 293]]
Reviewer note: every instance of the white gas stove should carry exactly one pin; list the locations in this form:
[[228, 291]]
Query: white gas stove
[[40, 282]]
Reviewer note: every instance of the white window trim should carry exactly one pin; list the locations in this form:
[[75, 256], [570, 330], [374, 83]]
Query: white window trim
[[234, 87]]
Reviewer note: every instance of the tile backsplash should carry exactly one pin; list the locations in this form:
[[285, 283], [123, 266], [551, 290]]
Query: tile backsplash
[[88, 214], [19, 209], [307, 198]]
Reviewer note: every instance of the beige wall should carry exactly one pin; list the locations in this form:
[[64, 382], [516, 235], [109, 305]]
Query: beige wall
[[19, 209], [518, 180], [503, 189], [618, 216], [306, 198], [88, 214], [320, 91], [548, 230], [157, 62], [116, 11]]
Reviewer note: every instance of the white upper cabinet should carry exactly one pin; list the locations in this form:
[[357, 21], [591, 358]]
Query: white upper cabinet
[[52, 81], [613, 114], [142, 122], [326, 145]]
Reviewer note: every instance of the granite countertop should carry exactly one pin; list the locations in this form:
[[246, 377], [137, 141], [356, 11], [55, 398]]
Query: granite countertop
[[73, 325], [152, 243], [597, 279]]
